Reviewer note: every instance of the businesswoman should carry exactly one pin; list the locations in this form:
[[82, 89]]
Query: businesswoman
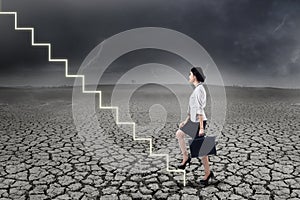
[[195, 123]]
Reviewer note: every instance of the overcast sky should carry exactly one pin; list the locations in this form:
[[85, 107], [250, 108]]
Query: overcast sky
[[253, 42]]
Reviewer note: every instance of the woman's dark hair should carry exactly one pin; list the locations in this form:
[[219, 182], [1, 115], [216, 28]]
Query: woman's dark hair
[[197, 71]]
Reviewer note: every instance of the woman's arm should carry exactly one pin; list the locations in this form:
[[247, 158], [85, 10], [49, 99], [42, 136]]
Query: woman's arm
[[184, 122], [201, 130], [200, 104], [187, 118]]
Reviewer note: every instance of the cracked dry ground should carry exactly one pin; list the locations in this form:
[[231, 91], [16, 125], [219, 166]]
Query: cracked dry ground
[[42, 156]]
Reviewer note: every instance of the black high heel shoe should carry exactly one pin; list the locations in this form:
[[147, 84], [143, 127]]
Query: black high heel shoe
[[204, 182], [188, 161]]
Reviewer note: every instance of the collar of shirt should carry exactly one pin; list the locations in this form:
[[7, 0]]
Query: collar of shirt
[[198, 84]]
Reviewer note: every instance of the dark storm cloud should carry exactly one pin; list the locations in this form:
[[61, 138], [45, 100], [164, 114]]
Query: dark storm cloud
[[247, 37], [267, 41]]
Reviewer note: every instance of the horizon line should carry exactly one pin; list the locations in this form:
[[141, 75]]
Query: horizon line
[[67, 86]]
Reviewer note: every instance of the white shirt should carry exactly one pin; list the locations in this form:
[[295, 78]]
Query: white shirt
[[197, 103]]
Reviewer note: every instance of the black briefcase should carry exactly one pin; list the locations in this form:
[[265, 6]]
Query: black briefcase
[[202, 146]]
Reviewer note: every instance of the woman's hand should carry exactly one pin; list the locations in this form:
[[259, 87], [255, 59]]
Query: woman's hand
[[201, 132], [182, 124]]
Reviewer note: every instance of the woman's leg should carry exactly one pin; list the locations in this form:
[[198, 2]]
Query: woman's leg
[[180, 136], [205, 163], [205, 160]]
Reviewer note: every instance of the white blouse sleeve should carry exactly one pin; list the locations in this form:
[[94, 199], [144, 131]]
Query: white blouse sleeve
[[200, 101]]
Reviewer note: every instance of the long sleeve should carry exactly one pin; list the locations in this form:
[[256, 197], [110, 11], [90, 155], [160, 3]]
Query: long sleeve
[[197, 103], [200, 102]]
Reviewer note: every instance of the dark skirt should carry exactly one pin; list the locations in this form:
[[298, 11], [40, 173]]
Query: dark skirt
[[192, 128]]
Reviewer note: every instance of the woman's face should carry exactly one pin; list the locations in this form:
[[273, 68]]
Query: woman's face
[[191, 77]]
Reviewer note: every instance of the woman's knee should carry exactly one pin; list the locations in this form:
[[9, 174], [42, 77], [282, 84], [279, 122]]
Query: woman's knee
[[179, 134]]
